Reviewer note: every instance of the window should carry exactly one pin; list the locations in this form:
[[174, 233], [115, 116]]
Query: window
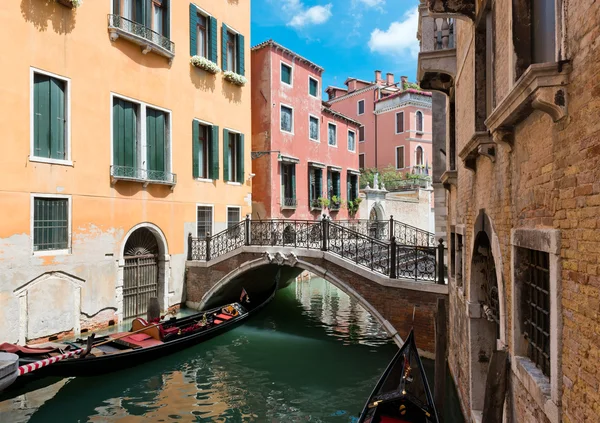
[[287, 119], [361, 134], [49, 118], [351, 141], [156, 143], [126, 143], [332, 134], [458, 271], [204, 221], [313, 125], [535, 313], [313, 87], [232, 56], [315, 175], [203, 34], [419, 121], [399, 122], [233, 156], [361, 107], [205, 151], [361, 161], [157, 16], [50, 223], [233, 216], [352, 182], [288, 185], [400, 157], [334, 188], [543, 31], [127, 10], [419, 156], [286, 74]]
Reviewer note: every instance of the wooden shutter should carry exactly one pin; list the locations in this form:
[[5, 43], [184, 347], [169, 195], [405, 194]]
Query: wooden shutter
[[293, 172], [348, 187], [155, 139], [225, 155], [195, 148], [41, 123], [212, 41], [319, 182], [166, 4], [240, 54], [147, 13], [214, 153], [240, 159], [338, 191], [224, 47], [400, 122], [57, 119], [193, 30], [124, 133]]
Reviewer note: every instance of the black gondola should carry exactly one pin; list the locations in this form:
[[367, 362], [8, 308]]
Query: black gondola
[[402, 394], [123, 350]]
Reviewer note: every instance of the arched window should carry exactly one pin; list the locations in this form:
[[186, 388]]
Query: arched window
[[419, 154], [419, 120]]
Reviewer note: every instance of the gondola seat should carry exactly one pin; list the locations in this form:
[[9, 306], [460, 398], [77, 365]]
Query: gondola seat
[[387, 419], [224, 316], [136, 340]]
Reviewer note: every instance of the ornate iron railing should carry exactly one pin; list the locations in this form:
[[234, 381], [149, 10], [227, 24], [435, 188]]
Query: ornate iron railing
[[378, 229], [142, 31], [142, 175], [347, 239], [289, 203]]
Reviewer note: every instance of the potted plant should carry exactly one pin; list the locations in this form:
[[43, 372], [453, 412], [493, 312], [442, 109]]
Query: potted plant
[[336, 203], [315, 204], [324, 202], [205, 64], [235, 78], [353, 205]]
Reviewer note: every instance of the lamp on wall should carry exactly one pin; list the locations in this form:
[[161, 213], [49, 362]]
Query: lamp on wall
[[257, 154]]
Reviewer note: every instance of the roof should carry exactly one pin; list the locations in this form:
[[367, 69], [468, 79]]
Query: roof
[[326, 109], [332, 87], [278, 46], [409, 90], [357, 79]]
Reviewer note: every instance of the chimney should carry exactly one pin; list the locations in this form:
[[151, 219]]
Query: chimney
[[404, 80], [389, 78], [351, 85], [378, 76]]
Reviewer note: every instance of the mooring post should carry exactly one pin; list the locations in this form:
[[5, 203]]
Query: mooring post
[[325, 235], [393, 258], [439, 388], [440, 260], [190, 243], [153, 309], [247, 228]]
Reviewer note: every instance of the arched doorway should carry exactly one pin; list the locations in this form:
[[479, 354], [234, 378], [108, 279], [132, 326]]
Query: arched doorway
[[376, 222], [141, 273]]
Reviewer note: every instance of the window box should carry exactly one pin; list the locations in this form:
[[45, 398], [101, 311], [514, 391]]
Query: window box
[[70, 3], [145, 176], [139, 34], [336, 204], [235, 78], [315, 205], [205, 64]]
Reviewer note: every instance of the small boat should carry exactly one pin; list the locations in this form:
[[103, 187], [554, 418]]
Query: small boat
[[402, 394], [145, 342]]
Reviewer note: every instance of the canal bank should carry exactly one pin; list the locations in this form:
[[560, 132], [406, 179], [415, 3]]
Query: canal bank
[[313, 353]]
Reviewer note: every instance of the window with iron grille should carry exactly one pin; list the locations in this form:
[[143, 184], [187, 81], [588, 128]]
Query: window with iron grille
[[233, 216], [50, 224], [204, 221], [536, 306]]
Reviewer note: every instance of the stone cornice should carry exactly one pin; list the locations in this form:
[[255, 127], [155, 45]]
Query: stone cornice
[[480, 144], [449, 177]]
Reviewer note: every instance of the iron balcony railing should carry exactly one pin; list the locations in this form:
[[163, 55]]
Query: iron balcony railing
[[350, 240], [141, 31], [127, 173]]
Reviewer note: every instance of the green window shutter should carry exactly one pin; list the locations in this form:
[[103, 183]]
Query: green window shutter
[[57, 119], [140, 12], [167, 18], [193, 30], [155, 139], [319, 183], [225, 155], [41, 123], [224, 47], [338, 191], [293, 181], [195, 149], [124, 133], [214, 153], [212, 42], [240, 159], [240, 54]]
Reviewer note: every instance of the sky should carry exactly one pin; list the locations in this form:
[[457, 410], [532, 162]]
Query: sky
[[345, 37]]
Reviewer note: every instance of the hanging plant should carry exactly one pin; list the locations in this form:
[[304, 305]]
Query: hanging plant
[[353, 205], [235, 78], [205, 64]]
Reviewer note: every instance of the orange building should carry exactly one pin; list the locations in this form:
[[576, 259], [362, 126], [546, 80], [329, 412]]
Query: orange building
[[124, 131]]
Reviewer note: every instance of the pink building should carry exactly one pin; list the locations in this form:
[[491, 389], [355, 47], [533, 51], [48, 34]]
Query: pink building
[[396, 121], [303, 152]]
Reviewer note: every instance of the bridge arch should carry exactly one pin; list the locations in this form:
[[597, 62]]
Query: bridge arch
[[293, 261]]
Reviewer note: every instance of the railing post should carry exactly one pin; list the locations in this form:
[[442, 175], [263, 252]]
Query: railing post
[[391, 229], [393, 258], [324, 238], [190, 242], [247, 228], [207, 246], [440, 278]]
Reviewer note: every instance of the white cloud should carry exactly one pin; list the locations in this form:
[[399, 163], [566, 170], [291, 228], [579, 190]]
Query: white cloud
[[301, 15], [372, 3], [400, 38]]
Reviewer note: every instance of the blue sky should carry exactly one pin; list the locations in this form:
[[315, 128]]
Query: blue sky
[[346, 37]]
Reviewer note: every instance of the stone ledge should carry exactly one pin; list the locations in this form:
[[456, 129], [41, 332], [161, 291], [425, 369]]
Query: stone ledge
[[479, 144], [546, 240], [538, 386], [541, 87], [449, 177]]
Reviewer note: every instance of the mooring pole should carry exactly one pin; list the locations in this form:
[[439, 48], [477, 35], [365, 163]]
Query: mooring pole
[[439, 387]]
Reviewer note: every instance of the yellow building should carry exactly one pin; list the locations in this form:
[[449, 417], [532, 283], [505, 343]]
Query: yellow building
[[116, 146]]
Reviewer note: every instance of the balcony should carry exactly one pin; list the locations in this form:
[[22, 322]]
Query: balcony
[[144, 176], [288, 203], [141, 35], [461, 9], [436, 67]]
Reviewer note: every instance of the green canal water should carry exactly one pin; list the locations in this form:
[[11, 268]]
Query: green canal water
[[312, 355]]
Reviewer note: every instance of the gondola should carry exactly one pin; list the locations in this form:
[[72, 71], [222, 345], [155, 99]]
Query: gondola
[[145, 342], [402, 394]]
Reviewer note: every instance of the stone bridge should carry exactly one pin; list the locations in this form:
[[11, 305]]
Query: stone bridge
[[395, 282]]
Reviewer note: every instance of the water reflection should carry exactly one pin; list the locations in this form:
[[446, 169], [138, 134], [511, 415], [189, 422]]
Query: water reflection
[[313, 354]]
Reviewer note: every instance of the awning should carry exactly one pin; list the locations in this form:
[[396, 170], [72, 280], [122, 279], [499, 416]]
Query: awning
[[354, 171], [317, 164], [289, 159]]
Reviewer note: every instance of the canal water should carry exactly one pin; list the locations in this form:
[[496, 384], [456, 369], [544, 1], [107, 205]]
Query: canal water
[[312, 355]]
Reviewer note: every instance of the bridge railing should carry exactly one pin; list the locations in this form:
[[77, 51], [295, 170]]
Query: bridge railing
[[386, 229], [412, 256]]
